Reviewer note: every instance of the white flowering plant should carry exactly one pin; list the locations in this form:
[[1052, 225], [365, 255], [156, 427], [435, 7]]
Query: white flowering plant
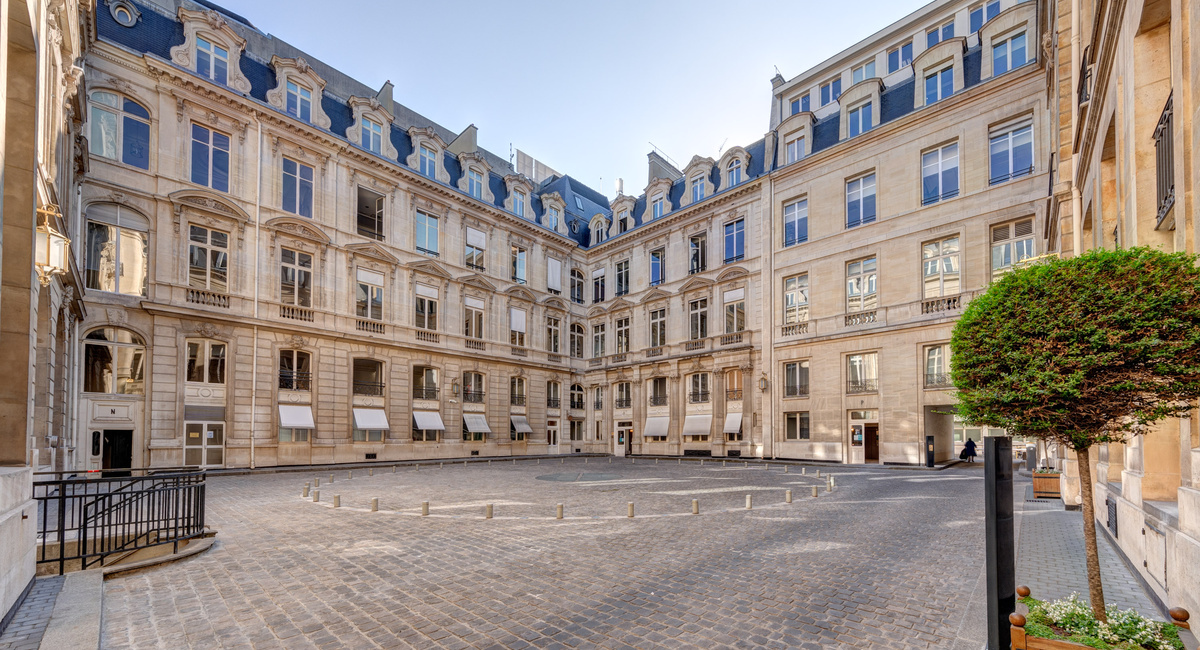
[[1071, 619]]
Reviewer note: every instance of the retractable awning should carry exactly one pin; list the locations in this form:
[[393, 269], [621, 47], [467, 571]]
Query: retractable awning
[[428, 421], [521, 424], [371, 419], [657, 426], [476, 423], [293, 416], [697, 425], [733, 422]]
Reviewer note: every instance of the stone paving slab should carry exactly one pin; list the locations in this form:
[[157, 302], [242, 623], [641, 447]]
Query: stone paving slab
[[25, 630]]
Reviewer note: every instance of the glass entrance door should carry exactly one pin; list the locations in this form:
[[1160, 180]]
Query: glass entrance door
[[204, 444]]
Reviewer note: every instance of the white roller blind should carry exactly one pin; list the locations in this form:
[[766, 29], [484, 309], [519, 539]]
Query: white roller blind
[[370, 419], [694, 425], [427, 291], [296, 417], [553, 274], [516, 319], [476, 423], [735, 295], [733, 422], [370, 277], [521, 424], [597, 273], [657, 426], [473, 302], [476, 238], [428, 421]]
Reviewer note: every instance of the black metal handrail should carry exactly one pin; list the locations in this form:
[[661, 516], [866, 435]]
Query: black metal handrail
[[425, 392], [938, 380], [934, 198], [862, 386], [658, 400], [1017, 173], [553, 402], [577, 404], [86, 520], [623, 403], [476, 267], [796, 390], [295, 380], [698, 396], [598, 405], [372, 388], [517, 400], [473, 396]]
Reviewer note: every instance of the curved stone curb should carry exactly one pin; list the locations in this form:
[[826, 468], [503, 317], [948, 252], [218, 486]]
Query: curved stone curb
[[193, 548]]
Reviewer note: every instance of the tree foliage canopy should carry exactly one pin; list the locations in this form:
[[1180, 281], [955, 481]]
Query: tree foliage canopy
[[1082, 351]]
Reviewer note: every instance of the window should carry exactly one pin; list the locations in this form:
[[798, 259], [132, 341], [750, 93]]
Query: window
[[861, 280], [212, 60], [733, 384], [552, 218], [697, 188], [427, 162], [658, 204], [735, 311], [598, 285], [899, 56], [862, 72], [858, 120], [830, 91], [516, 326], [426, 308], [299, 101], [795, 379], [940, 269], [208, 259], [860, 201], [862, 373], [210, 158], [699, 393], [295, 370], [473, 318], [475, 184], [698, 319], [578, 202], [622, 278], [576, 430], [1012, 243], [658, 328], [598, 341], [1011, 153], [297, 188], [287, 434], [553, 395], [205, 362], [368, 298], [519, 265], [1008, 55], [475, 252], [576, 341], [623, 223], [804, 104], [576, 287], [204, 444], [367, 377], [370, 213], [295, 278], [735, 241], [114, 362], [795, 149], [658, 392], [624, 395], [795, 299], [795, 105], [115, 257], [553, 331], [516, 396], [519, 204], [980, 14], [939, 33], [657, 270], [1164, 160], [697, 253], [622, 330], [120, 130], [576, 396], [425, 382], [372, 135], [795, 222], [939, 174], [427, 234], [598, 231], [418, 435], [939, 85], [937, 367], [796, 426], [735, 172]]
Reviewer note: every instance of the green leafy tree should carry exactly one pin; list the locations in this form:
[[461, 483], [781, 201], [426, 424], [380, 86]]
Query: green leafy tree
[[1082, 351]]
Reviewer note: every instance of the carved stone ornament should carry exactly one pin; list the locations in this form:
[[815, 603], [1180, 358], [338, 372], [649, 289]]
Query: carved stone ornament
[[215, 29], [299, 72], [298, 341], [206, 330], [116, 316]]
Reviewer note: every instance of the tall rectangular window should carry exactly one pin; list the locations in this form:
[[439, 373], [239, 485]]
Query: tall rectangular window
[[861, 285], [622, 331], [795, 379], [516, 326], [519, 265], [576, 287], [623, 222], [299, 101], [699, 393], [622, 278], [368, 297], [473, 309], [425, 310], [830, 91], [297, 188], [697, 189], [899, 56], [205, 362], [657, 269], [658, 328], [120, 129], [475, 184], [598, 285], [372, 135], [475, 252], [369, 213], [698, 319], [552, 217], [937, 367], [795, 299], [697, 253], [427, 234], [1008, 55], [658, 206], [862, 373], [1011, 153], [860, 201], [940, 268], [115, 257], [295, 278], [795, 222], [796, 426], [982, 13], [212, 60], [859, 120], [519, 204], [1012, 243], [795, 149], [735, 241], [939, 33], [598, 340], [939, 85], [864, 71], [553, 333], [735, 311], [210, 158], [577, 344], [208, 259], [427, 162], [939, 174]]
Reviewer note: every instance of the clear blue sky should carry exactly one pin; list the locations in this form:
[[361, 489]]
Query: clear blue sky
[[583, 87]]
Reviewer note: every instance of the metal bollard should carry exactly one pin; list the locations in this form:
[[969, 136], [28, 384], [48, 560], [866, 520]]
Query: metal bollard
[[828, 486], [441, 465], [749, 502], [785, 469], [514, 461], [316, 496], [562, 461], [695, 506], [833, 480], [803, 470], [317, 482], [374, 504], [350, 474], [610, 460], [722, 463], [418, 468], [818, 473], [305, 495], [630, 509], [487, 513], [539, 461], [371, 472], [425, 508], [787, 496], [331, 478], [393, 469], [633, 461], [558, 512], [814, 489], [337, 500]]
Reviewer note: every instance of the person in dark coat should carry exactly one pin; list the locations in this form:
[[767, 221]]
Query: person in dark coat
[[969, 450]]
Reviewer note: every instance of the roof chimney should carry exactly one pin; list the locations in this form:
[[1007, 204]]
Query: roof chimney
[[385, 97], [466, 142], [620, 186]]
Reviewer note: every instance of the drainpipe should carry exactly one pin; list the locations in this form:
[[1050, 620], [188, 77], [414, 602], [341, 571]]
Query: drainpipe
[[769, 307], [1076, 197], [257, 222]]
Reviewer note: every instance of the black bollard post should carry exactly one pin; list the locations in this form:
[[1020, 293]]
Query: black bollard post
[[1001, 549]]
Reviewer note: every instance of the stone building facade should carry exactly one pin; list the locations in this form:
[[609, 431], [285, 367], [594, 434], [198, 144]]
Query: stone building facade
[[284, 266]]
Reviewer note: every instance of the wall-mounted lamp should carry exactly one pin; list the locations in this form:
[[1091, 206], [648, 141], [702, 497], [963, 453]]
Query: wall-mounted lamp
[[454, 387], [50, 258], [762, 383]]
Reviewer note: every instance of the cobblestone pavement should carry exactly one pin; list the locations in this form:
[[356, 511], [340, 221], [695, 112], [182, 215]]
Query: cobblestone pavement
[[887, 560], [24, 631]]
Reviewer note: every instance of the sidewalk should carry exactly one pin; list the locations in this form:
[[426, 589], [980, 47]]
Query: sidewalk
[[25, 630]]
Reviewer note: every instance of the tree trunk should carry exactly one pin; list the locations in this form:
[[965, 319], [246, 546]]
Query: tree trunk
[[1095, 589]]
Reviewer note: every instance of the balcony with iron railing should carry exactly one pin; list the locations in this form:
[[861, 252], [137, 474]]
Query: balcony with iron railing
[[368, 388], [930, 199], [698, 397], [473, 396], [796, 390], [553, 402], [598, 405], [938, 380], [289, 380], [425, 392], [1016, 173], [856, 386], [478, 268], [623, 403], [426, 251], [733, 394], [577, 404], [1164, 155], [516, 400], [658, 400]]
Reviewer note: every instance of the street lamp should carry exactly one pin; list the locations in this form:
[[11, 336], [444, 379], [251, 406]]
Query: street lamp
[[50, 256]]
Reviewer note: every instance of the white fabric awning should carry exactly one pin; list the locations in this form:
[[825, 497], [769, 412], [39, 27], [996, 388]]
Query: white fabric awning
[[733, 422], [476, 423], [428, 421], [657, 426], [371, 419], [697, 425], [296, 417], [521, 424]]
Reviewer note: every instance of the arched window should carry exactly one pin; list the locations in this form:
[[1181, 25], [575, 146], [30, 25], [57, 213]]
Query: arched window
[[576, 287], [120, 129], [577, 341], [114, 362], [115, 257], [597, 231], [735, 172], [552, 216], [576, 396]]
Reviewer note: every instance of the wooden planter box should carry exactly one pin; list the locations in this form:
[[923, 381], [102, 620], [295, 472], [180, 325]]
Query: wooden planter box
[[1045, 486], [1020, 641]]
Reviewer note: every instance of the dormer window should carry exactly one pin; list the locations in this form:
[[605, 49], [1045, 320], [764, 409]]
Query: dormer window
[[830, 91], [623, 221], [864, 71], [1009, 54], [859, 120], [428, 162], [552, 218], [799, 104], [697, 189], [372, 135], [475, 184], [657, 206], [299, 101], [212, 60], [597, 231], [519, 204], [735, 172], [939, 33], [939, 85], [899, 56], [795, 148], [982, 13]]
